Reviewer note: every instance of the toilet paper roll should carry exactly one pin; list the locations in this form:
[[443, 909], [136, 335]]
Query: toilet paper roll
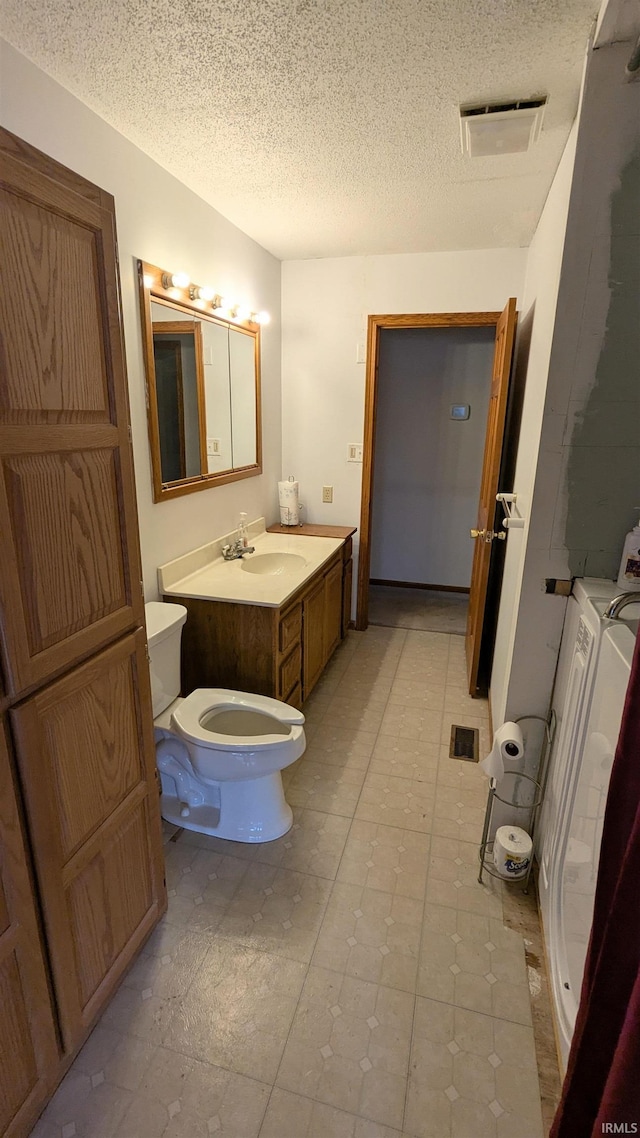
[[289, 505], [507, 751], [512, 849]]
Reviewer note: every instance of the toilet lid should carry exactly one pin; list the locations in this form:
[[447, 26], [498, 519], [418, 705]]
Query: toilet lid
[[205, 701]]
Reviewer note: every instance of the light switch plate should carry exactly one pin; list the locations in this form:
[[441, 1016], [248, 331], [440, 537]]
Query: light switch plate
[[354, 453]]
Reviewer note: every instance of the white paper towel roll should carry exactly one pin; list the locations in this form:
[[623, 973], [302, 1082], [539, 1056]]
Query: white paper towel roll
[[512, 849], [507, 751], [289, 505]]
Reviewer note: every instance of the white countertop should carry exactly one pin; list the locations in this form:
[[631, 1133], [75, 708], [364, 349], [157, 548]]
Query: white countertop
[[220, 580]]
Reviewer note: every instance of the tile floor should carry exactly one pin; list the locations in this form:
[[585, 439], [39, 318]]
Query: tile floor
[[350, 980], [427, 609]]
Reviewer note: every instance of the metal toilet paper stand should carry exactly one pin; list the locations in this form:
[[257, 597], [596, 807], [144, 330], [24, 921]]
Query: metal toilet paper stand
[[531, 808]]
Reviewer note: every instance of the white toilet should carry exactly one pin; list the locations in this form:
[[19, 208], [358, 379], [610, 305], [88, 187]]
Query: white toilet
[[219, 752]]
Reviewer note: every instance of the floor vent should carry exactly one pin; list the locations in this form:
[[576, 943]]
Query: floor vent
[[464, 743]]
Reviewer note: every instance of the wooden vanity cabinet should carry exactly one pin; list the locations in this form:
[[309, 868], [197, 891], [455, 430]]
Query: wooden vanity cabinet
[[72, 639], [279, 652]]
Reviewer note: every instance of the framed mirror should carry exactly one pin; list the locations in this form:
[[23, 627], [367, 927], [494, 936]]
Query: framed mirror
[[202, 369]]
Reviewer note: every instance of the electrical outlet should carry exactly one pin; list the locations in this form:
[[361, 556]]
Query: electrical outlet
[[327, 493]]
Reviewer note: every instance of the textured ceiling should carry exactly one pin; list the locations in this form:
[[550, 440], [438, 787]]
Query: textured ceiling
[[326, 127]]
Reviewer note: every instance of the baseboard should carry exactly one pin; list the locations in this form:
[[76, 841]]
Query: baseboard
[[419, 585]]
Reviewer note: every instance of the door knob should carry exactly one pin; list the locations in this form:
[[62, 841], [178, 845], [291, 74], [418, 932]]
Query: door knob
[[488, 535]]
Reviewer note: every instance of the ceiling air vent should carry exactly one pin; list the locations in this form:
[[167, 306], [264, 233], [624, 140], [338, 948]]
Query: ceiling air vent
[[501, 128]]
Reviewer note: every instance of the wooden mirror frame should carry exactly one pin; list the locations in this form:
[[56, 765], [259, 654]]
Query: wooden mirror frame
[[151, 287]]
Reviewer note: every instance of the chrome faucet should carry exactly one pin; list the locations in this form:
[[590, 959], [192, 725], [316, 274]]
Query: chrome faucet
[[615, 607], [231, 552]]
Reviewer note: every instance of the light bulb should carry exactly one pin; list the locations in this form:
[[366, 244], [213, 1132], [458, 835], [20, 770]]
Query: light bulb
[[202, 293], [147, 280], [262, 318], [242, 312], [180, 280]]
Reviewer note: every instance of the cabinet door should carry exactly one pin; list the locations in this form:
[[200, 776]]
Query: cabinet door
[[28, 1044], [87, 760], [312, 637], [347, 584], [71, 572], [332, 609]]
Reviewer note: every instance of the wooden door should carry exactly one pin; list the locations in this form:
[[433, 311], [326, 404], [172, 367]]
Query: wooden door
[[332, 609], [28, 1044], [86, 758], [312, 637], [484, 533], [70, 578], [376, 324]]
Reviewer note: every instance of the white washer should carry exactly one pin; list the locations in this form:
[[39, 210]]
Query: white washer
[[569, 849]]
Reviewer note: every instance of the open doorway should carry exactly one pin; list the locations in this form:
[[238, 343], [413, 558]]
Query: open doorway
[[433, 390], [423, 482]]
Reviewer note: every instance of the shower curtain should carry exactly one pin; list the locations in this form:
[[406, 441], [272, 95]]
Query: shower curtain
[[601, 1092]]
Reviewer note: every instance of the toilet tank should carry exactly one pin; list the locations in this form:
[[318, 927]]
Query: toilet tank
[[164, 629]]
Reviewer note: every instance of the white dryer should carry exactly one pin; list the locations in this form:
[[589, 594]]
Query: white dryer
[[577, 786]]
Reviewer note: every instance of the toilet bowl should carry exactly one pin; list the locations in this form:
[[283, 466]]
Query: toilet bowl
[[219, 752]]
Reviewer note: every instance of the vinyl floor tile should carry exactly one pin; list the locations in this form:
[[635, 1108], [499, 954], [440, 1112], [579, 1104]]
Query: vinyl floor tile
[[371, 935], [331, 789], [278, 911], [238, 1012], [405, 758], [402, 802], [388, 858], [291, 1115], [349, 1046]]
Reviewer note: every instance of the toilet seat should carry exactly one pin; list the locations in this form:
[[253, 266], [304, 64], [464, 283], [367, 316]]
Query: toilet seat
[[205, 703]]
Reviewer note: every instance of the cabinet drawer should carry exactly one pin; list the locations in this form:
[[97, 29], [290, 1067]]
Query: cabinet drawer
[[290, 626], [289, 672]]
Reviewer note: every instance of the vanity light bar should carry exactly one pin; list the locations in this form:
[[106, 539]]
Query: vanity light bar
[[221, 304]]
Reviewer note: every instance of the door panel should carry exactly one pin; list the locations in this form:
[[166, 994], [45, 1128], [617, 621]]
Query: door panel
[[110, 901], [332, 609], [28, 1044], [71, 572], [93, 808], [312, 638], [56, 368], [63, 511], [505, 333]]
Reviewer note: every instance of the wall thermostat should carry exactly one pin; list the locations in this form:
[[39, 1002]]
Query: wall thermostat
[[460, 411]]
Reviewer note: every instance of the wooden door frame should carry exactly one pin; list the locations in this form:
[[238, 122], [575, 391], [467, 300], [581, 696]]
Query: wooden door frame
[[375, 325]]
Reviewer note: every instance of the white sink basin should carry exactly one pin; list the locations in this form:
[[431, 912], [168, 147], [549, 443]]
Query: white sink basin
[[270, 564]]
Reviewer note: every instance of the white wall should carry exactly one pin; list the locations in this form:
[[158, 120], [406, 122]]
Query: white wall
[[427, 466], [586, 475], [533, 350], [325, 304], [162, 222]]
